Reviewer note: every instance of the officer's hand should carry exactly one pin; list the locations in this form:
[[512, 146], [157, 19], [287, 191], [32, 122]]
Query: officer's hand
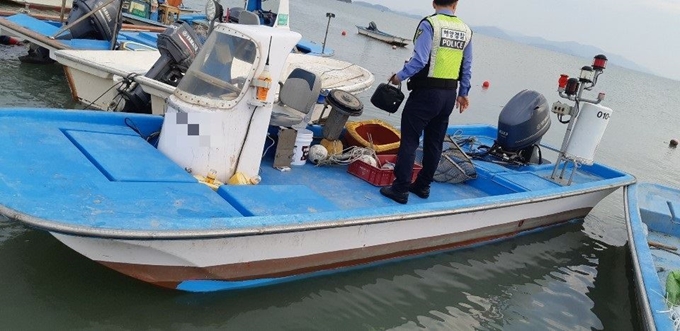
[[462, 103], [395, 80]]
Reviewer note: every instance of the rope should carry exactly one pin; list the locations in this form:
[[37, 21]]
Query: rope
[[348, 156], [154, 135], [338, 69], [127, 81], [99, 97]]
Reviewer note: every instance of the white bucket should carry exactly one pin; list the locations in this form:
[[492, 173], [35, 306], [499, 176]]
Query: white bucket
[[302, 143]]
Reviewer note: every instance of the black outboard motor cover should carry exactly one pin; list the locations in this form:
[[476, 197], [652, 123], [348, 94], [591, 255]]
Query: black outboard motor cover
[[179, 42], [102, 25], [523, 121], [178, 46]]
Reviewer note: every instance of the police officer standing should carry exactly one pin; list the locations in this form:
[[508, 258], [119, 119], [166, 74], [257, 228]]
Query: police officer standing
[[440, 65]]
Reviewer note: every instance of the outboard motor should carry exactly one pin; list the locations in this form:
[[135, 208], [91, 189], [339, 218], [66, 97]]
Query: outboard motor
[[521, 125], [102, 25], [178, 46]]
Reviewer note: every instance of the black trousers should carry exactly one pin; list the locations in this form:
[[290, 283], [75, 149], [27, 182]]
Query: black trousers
[[426, 112]]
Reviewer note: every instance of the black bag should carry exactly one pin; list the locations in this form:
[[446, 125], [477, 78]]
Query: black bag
[[388, 97]]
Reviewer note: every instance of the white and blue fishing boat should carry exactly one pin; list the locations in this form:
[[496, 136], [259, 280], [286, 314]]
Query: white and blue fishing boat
[[653, 223], [142, 81], [89, 25], [95, 25], [145, 194]]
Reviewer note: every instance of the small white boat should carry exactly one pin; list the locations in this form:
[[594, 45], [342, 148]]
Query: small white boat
[[373, 32], [144, 194], [653, 223], [94, 75]]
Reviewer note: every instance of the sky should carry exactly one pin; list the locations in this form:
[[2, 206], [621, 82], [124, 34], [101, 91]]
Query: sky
[[646, 32]]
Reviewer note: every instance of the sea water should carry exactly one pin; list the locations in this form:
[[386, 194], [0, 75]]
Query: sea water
[[571, 277]]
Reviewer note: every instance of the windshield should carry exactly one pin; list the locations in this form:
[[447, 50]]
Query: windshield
[[222, 70]]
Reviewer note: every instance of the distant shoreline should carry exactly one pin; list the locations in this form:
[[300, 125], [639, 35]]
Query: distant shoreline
[[565, 47]]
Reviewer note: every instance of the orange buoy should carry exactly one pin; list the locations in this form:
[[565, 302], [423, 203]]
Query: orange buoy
[[485, 84], [344, 32]]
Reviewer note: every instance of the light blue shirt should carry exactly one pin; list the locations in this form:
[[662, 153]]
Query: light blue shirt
[[421, 56]]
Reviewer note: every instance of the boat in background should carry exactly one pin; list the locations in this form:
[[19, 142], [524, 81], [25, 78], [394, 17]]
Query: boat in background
[[373, 32], [142, 81], [53, 5], [653, 222], [95, 77], [45, 36], [270, 18]]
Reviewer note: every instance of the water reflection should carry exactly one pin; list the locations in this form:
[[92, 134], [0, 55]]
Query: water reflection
[[538, 281]]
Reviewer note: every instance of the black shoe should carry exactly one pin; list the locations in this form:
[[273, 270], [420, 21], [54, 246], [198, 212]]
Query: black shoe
[[421, 191], [396, 196]]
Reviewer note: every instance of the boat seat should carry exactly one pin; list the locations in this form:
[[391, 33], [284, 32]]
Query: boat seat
[[263, 200], [248, 18], [297, 98]]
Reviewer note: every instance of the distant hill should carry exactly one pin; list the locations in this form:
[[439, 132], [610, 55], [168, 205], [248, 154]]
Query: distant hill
[[383, 8], [566, 47]]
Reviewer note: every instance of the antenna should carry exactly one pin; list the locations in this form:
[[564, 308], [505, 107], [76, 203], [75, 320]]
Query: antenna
[[269, 50], [263, 83]]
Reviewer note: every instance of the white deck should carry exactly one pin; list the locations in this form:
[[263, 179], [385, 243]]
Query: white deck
[[52, 4]]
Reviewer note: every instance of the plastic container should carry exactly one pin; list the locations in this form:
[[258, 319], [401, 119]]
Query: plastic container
[[302, 142], [382, 137], [377, 176]]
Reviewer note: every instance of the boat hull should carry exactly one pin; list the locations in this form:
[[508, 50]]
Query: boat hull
[[650, 219], [241, 261]]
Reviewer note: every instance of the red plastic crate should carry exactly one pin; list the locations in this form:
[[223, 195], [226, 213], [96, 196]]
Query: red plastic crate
[[377, 176]]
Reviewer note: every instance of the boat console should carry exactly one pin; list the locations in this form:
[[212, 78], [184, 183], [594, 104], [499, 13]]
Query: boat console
[[216, 121]]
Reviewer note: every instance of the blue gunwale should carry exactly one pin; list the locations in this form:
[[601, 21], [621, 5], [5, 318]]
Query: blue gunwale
[[87, 198], [650, 198], [46, 29]]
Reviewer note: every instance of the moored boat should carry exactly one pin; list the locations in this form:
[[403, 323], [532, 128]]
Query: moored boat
[[112, 80], [373, 32], [92, 74], [653, 222], [45, 4], [144, 194]]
